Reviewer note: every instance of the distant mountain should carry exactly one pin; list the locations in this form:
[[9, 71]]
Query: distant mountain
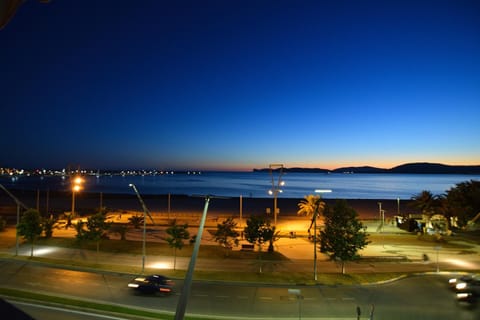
[[425, 167], [417, 167]]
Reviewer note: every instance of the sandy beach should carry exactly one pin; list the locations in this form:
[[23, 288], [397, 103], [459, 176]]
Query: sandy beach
[[86, 203]]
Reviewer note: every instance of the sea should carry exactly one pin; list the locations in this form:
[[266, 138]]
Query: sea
[[253, 184]]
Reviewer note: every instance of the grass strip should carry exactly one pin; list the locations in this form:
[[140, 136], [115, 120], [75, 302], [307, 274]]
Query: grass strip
[[88, 305], [82, 304]]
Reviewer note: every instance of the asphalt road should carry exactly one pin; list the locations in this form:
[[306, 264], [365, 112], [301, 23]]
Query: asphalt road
[[421, 297]]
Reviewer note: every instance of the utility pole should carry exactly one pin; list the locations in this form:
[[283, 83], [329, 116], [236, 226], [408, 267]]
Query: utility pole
[[182, 302], [276, 187]]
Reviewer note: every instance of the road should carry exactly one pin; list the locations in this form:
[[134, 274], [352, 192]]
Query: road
[[421, 297]]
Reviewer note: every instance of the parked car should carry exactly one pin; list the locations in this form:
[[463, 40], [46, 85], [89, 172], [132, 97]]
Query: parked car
[[152, 284]]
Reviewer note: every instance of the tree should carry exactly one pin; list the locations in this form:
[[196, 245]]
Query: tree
[[48, 224], [177, 234], [30, 226], [463, 201], [270, 235], [254, 231], [136, 221], [3, 223], [94, 229], [426, 202], [344, 235], [258, 231], [226, 235], [120, 229], [311, 206]]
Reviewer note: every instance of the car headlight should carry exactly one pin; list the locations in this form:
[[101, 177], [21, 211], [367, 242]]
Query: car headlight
[[452, 281], [461, 286], [133, 285], [462, 295]]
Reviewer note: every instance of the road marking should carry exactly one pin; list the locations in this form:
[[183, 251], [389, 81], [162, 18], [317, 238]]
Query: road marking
[[200, 295], [348, 299], [265, 298], [242, 297], [222, 297]]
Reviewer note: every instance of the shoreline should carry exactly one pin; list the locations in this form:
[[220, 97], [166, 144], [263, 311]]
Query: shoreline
[[58, 202]]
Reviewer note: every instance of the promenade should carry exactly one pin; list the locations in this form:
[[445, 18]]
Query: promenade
[[298, 251]]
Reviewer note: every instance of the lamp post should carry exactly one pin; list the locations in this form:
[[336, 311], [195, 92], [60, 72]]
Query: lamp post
[[315, 215], [380, 215], [182, 301], [76, 187], [145, 213], [276, 188], [398, 206]]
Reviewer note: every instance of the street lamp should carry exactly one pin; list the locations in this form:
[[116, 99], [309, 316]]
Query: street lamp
[[76, 187], [315, 215], [398, 206], [276, 188], [182, 301], [145, 213]]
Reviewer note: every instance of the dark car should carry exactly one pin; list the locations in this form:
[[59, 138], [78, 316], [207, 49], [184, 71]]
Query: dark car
[[468, 291], [152, 284], [461, 279]]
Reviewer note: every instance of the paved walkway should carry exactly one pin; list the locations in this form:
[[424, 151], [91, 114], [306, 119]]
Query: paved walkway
[[299, 251]]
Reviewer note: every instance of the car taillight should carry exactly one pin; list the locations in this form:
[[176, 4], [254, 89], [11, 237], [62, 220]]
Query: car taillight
[[165, 290]]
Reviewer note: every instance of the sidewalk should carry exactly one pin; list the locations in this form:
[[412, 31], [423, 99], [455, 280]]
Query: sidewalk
[[298, 251]]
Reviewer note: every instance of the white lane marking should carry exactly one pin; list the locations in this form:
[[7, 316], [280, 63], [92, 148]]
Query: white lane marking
[[200, 295], [348, 299]]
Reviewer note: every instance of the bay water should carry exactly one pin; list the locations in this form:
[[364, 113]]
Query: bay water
[[254, 184]]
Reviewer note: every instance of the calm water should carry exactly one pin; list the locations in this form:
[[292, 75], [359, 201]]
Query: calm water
[[257, 184]]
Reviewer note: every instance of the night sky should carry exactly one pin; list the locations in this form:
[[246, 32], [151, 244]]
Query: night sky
[[236, 85]]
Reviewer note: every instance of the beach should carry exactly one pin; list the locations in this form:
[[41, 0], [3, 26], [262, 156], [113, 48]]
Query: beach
[[57, 203]]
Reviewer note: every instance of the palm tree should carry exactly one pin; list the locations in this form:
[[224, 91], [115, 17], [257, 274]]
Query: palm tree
[[425, 201], [311, 205], [176, 234]]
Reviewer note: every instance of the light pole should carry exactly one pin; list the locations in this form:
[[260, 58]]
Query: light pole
[[380, 212], [276, 188], [76, 186], [145, 213], [182, 301], [398, 206], [315, 215]]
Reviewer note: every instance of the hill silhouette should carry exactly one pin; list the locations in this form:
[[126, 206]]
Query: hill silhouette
[[411, 168]]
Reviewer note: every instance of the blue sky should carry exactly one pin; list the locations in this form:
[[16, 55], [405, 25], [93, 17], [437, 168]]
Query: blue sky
[[238, 85]]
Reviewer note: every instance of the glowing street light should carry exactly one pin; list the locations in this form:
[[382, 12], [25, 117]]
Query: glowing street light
[[276, 189], [76, 187]]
